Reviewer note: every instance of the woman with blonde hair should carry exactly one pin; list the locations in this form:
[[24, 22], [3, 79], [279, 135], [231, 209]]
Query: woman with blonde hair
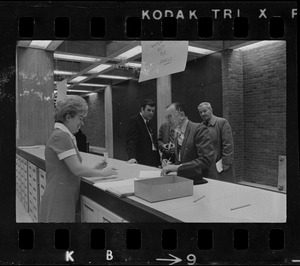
[[64, 167]]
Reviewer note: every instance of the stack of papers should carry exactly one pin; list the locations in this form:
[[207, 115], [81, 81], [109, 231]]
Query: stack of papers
[[121, 188], [103, 179]]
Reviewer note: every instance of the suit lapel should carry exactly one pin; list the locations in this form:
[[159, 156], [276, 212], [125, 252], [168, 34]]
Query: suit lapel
[[143, 125], [144, 128], [186, 135], [176, 146], [167, 133]]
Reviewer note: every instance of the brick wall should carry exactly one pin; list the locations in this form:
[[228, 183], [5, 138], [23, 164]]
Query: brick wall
[[232, 93], [94, 123], [254, 102], [264, 112]]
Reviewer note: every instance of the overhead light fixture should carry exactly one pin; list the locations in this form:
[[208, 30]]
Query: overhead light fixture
[[91, 85], [99, 68], [256, 45], [78, 79], [78, 91], [39, 44], [55, 82], [92, 93], [76, 57], [113, 77], [130, 53], [137, 65], [66, 73], [198, 50]]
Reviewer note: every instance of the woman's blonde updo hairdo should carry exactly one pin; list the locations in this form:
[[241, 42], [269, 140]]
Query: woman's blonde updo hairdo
[[72, 105]]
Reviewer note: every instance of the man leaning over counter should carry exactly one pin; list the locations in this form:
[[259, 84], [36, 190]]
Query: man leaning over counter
[[194, 151]]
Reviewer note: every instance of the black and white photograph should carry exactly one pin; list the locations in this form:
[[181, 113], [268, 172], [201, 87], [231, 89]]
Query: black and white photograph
[[151, 131]]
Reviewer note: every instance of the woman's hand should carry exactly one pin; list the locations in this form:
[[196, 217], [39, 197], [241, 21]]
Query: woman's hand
[[101, 165], [109, 171]]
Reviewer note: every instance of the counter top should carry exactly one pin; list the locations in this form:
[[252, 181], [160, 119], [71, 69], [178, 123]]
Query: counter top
[[215, 201]]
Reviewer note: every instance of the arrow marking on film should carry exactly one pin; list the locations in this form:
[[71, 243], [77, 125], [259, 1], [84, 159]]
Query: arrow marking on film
[[174, 260]]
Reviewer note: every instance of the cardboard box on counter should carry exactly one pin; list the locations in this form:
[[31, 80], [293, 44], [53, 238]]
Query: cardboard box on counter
[[163, 188]]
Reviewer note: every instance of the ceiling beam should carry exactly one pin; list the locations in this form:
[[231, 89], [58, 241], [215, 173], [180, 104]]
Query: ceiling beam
[[236, 44], [24, 44], [92, 48], [210, 45], [116, 48], [54, 45]]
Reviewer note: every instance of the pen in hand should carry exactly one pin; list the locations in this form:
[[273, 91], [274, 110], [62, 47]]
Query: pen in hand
[[166, 162]]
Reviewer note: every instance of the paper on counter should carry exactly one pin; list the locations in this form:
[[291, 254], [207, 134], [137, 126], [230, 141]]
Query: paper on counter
[[219, 165], [148, 174], [103, 179], [116, 183], [122, 188], [122, 191]]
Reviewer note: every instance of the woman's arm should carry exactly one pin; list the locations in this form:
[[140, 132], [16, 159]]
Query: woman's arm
[[78, 169]]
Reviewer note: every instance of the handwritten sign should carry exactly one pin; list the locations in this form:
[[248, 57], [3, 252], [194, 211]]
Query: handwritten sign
[[61, 90], [161, 58]]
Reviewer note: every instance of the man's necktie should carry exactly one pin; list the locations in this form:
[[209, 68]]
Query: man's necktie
[[180, 138], [171, 135], [149, 128], [151, 135]]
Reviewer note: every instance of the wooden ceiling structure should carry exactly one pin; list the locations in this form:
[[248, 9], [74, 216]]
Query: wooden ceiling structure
[[89, 59]]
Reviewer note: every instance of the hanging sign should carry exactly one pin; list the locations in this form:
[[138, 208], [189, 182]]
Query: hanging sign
[[161, 58], [61, 90]]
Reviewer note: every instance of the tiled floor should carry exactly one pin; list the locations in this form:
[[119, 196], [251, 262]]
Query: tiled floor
[[22, 216]]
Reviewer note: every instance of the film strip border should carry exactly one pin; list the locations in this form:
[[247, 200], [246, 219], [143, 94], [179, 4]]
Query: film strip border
[[154, 244], [173, 20], [133, 27], [151, 243]]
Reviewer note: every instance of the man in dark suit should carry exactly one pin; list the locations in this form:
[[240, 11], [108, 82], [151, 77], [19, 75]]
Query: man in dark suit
[[141, 140], [194, 149]]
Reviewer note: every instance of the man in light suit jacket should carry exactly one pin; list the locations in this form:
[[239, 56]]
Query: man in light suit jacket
[[194, 149], [141, 140], [221, 132]]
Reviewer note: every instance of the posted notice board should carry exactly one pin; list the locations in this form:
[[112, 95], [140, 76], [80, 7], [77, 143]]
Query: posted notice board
[[161, 58], [61, 90]]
